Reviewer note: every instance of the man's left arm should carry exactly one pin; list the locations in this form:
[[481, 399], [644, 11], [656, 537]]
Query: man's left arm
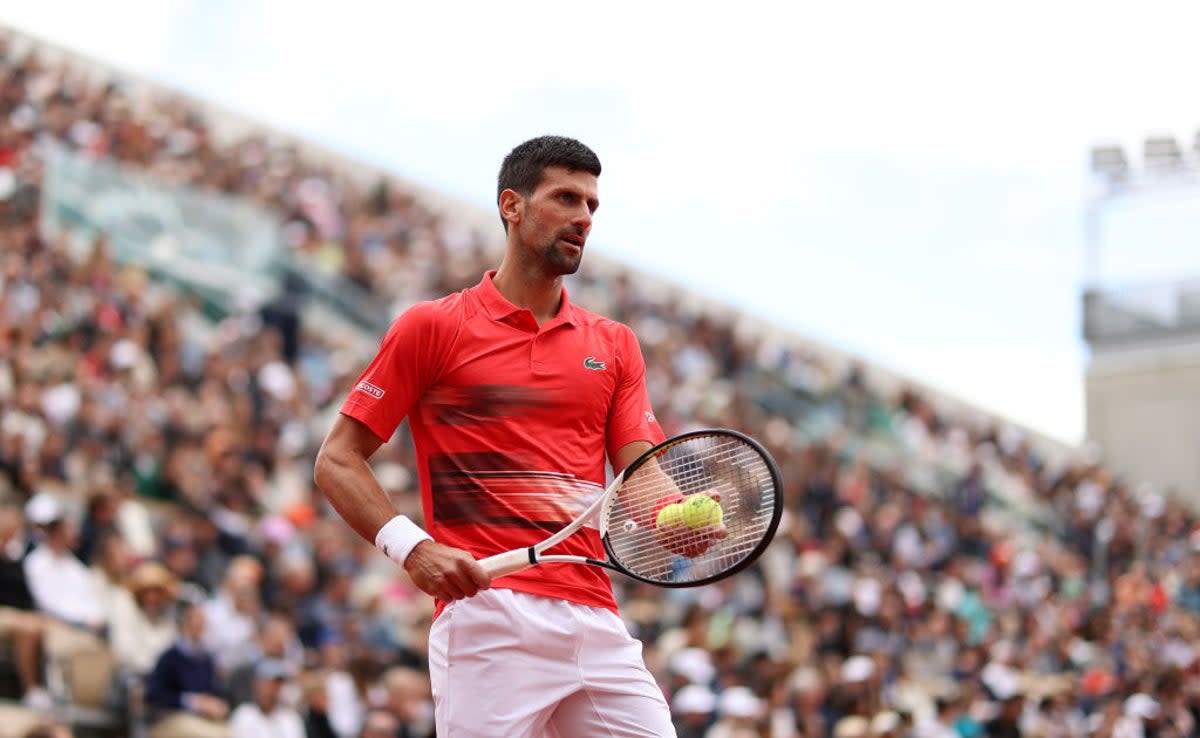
[[632, 429]]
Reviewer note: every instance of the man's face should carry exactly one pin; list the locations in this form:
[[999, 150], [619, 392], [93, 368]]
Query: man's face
[[557, 218], [266, 693], [192, 625]]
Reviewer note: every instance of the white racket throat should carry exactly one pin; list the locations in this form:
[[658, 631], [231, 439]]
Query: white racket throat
[[513, 561]]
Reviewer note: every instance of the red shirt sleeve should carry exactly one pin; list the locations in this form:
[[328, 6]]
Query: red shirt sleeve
[[404, 367], [630, 418]]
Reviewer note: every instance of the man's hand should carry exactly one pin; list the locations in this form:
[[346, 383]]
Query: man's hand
[[681, 535], [445, 573], [208, 706]]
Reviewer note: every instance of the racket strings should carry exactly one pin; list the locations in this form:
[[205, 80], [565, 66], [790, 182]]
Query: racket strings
[[678, 546]]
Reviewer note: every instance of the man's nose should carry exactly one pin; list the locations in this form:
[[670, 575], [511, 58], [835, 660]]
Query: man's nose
[[583, 218]]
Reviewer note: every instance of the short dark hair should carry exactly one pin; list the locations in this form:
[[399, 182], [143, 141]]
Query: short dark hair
[[525, 166]]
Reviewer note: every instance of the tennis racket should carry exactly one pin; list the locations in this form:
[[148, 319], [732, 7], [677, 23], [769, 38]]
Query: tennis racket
[[683, 546]]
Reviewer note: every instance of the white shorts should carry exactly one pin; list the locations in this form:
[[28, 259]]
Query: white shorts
[[506, 664]]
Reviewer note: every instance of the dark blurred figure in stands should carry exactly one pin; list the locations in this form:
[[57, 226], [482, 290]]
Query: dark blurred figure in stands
[[316, 702], [18, 621], [1007, 723], [100, 519], [182, 690], [283, 314]]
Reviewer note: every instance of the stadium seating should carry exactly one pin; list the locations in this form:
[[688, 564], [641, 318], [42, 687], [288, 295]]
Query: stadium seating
[[938, 570]]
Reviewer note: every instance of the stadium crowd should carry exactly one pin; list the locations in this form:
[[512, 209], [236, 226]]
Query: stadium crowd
[[165, 558]]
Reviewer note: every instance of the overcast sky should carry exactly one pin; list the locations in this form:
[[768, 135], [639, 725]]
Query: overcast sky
[[904, 181]]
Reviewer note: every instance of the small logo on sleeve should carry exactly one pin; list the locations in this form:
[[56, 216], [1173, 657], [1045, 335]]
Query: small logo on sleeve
[[370, 389], [650, 417], [596, 366]]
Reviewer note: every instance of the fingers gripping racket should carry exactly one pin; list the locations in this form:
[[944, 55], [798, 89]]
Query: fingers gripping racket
[[694, 509]]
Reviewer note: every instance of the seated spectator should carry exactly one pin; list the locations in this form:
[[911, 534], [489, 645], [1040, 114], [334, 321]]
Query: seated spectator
[[346, 703], [99, 521], [183, 685], [60, 584], [410, 700], [110, 566], [330, 608], [63, 588], [277, 642], [181, 557], [142, 627], [316, 707], [692, 709], [265, 715], [737, 708], [232, 615], [18, 622]]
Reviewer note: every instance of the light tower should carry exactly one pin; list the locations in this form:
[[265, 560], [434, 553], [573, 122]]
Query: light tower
[[1143, 334]]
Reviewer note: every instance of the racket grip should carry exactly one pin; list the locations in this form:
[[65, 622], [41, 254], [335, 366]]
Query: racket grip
[[508, 562]]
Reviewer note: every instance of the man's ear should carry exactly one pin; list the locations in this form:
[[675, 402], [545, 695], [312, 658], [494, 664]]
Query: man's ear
[[512, 206]]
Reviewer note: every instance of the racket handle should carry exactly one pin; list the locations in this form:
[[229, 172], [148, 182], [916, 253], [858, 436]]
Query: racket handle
[[508, 562]]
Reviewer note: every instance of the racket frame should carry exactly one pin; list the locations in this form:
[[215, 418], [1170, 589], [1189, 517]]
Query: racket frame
[[519, 559]]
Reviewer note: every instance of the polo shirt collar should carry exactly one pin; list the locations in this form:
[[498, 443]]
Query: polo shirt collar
[[499, 307]]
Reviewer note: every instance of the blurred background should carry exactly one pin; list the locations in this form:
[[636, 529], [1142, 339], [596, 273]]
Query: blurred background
[[939, 259]]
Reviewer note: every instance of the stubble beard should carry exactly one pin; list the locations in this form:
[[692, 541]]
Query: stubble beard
[[559, 262]]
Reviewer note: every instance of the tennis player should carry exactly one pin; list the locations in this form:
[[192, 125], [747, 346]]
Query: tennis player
[[515, 398]]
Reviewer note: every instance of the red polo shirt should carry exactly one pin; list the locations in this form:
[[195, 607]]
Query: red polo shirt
[[511, 423]]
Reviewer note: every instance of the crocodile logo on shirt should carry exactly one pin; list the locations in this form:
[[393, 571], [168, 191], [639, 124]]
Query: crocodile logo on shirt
[[596, 366]]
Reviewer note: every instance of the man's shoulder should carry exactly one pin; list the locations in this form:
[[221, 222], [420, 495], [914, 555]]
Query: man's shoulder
[[596, 321], [448, 311], [42, 557]]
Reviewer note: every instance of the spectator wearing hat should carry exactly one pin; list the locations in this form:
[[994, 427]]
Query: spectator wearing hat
[[692, 710], [142, 625], [64, 589], [60, 584], [182, 690], [738, 708], [1140, 716], [276, 641], [266, 716]]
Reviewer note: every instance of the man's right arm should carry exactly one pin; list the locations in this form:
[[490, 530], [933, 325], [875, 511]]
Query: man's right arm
[[344, 475]]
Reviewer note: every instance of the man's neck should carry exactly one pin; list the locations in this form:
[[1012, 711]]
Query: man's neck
[[528, 288]]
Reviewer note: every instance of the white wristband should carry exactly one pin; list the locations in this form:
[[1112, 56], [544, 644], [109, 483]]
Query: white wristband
[[398, 537]]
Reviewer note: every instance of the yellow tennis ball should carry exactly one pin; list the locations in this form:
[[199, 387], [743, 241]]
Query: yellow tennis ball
[[670, 516], [701, 511]]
